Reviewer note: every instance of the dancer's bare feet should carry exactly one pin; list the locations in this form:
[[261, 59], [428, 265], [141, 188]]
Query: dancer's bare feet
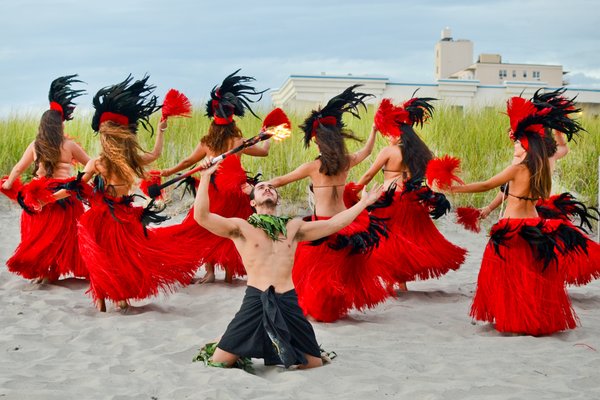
[[402, 287], [228, 277], [42, 280], [209, 277], [101, 305], [123, 304]]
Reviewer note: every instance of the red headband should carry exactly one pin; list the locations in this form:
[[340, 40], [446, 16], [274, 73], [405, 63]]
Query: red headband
[[57, 107], [114, 117], [220, 120], [322, 121]]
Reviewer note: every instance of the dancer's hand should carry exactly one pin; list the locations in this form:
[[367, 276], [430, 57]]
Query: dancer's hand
[[162, 126], [207, 167], [370, 197], [484, 212], [6, 185], [165, 172]]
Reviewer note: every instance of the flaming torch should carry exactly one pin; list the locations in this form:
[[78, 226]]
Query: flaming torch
[[276, 125]]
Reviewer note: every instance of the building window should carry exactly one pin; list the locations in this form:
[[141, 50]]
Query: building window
[[502, 74], [535, 75], [524, 74], [514, 74]]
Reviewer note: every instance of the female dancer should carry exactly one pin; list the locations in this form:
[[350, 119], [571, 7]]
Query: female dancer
[[333, 275], [563, 206], [126, 260], [227, 197], [521, 282], [49, 245], [403, 163]]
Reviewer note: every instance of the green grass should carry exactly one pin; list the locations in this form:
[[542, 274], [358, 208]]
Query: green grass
[[478, 138]]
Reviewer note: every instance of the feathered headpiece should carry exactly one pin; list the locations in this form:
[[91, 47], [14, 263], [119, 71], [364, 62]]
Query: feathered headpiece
[[561, 109], [526, 120], [126, 104], [331, 114], [61, 96], [415, 111], [231, 98]]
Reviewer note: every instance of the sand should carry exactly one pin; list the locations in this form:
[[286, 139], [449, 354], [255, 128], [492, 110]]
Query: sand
[[420, 345]]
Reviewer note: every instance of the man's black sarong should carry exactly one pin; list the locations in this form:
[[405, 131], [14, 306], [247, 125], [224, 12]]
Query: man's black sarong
[[271, 326]]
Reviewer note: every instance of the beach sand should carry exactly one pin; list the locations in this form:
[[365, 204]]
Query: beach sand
[[420, 345]]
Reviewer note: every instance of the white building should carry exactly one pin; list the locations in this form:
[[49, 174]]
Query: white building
[[459, 82]]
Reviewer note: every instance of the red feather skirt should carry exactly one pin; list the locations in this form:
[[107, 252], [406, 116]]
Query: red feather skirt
[[582, 266], [124, 262], [515, 291], [420, 250], [49, 245], [331, 282], [228, 200]]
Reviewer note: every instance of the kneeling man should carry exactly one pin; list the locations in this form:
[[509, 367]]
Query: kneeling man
[[270, 324]]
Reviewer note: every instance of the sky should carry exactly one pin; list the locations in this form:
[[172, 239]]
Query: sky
[[192, 45]]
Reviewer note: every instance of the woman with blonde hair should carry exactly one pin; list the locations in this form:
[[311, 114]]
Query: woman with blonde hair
[[126, 259]]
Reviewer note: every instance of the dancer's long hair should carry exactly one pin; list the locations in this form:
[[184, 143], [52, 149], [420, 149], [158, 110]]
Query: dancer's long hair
[[120, 153], [334, 153], [537, 162], [415, 153], [48, 142], [550, 143], [220, 137]]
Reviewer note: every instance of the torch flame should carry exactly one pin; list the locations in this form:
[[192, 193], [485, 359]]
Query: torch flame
[[279, 132]]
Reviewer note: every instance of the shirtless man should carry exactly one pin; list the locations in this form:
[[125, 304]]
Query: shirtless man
[[270, 323]]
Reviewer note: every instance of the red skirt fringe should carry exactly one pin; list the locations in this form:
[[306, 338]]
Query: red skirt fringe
[[582, 267], [124, 262], [228, 200], [516, 292], [421, 251], [49, 245], [331, 282]]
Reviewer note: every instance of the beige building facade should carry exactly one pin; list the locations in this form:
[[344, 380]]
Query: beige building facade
[[303, 92], [459, 82]]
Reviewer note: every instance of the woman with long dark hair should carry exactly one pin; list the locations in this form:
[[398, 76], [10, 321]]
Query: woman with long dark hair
[[403, 164], [563, 206], [521, 283], [227, 195], [49, 245], [336, 274]]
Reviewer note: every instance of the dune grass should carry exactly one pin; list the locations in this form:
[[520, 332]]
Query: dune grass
[[478, 137]]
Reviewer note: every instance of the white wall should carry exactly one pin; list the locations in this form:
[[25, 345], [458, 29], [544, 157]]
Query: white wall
[[300, 93]]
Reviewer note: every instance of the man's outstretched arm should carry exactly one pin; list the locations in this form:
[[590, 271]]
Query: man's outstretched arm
[[313, 230], [220, 226]]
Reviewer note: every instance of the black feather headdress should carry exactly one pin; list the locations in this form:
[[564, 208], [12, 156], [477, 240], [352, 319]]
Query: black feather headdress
[[560, 112], [231, 98], [126, 103], [61, 95], [331, 114], [419, 109]]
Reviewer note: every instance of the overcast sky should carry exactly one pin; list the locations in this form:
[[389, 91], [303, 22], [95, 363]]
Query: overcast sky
[[192, 45]]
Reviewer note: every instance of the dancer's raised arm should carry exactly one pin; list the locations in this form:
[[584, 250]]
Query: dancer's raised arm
[[149, 157], [366, 150], [303, 171]]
